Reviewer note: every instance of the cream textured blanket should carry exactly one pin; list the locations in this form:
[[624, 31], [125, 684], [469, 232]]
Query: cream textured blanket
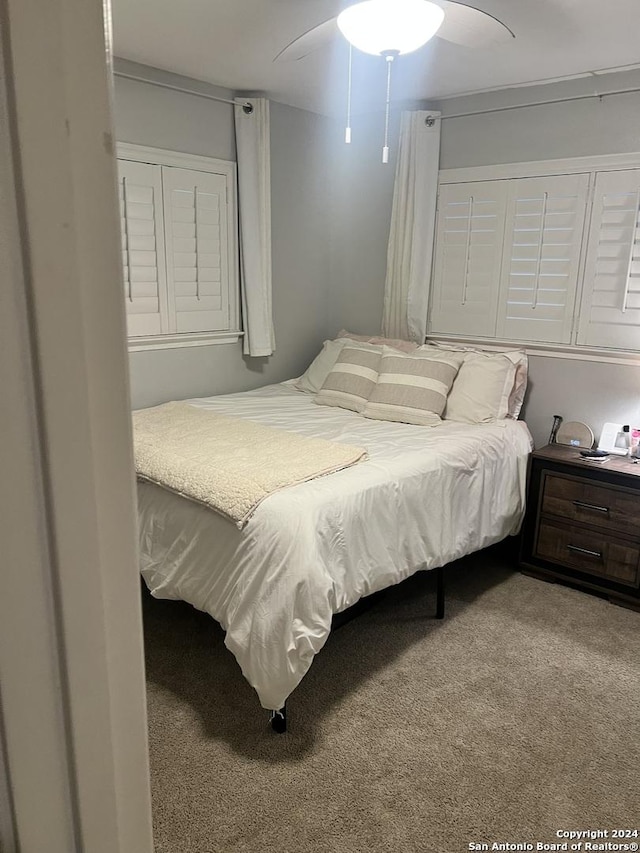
[[228, 464]]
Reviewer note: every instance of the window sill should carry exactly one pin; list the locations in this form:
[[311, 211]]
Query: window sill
[[195, 339], [576, 352]]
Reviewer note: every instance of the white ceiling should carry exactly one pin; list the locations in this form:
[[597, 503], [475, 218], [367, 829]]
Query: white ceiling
[[232, 43]]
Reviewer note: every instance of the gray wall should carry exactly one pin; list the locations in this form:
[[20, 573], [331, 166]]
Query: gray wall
[[149, 115], [362, 191], [571, 129], [591, 392]]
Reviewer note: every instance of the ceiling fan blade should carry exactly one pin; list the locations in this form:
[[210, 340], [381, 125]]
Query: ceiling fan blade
[[470, 27], [305, 44]]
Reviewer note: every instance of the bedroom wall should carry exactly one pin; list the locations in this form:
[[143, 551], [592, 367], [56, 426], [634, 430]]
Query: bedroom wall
[[362, 190], [570, 129], [149, 115], [362, 196]]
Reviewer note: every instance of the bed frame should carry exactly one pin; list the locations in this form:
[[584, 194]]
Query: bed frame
[[278, 719]]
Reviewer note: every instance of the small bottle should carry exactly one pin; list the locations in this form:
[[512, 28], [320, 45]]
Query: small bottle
[[626, 429], [634, 441]]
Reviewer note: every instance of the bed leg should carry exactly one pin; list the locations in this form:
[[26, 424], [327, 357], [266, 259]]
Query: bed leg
[[278, 719], [439, 593]]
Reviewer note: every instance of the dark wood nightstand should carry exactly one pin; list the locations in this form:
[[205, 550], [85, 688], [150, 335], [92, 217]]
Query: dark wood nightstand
[[582, 523]]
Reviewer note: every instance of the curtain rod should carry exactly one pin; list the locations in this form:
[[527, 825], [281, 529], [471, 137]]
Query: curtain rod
[[430, 120], [247, 107]]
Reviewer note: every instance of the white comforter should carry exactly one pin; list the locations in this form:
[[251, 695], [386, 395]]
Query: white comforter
[[425, 497]]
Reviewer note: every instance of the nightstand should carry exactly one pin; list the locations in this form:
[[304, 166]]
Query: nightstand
[[582, 523]]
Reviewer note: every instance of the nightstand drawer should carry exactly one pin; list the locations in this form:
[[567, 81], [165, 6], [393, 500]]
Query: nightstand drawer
[[577, 499], [589, 552]]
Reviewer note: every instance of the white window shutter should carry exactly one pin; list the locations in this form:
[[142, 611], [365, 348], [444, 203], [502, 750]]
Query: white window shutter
[[140, 190], [195, 218], [543, 237], [610, 312], [469, 239]]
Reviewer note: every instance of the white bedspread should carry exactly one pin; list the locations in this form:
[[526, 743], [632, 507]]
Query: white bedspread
[[426, 496]]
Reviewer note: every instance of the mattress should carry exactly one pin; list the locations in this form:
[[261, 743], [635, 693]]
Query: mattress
[[424, 497]]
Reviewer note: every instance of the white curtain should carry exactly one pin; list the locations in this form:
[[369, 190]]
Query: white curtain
[[254, 207], [410, 251]]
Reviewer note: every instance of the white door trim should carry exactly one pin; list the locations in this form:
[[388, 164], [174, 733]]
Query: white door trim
[[71, 658]]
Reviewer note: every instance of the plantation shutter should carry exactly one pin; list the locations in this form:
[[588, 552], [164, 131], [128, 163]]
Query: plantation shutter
[[610, 311], [469, 241], [140, 190], [195, 217], [543, 237]]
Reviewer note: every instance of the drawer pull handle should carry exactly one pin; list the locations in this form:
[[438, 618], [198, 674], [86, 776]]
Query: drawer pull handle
[[575, 549], [582, 505]]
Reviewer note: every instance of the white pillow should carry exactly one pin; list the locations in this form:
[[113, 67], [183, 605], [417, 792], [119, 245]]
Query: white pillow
[[313, 378], [516, 398], [481, 390], [491, 400]]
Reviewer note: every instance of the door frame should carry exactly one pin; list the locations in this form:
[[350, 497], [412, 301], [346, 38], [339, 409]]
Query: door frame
[[73, 712]]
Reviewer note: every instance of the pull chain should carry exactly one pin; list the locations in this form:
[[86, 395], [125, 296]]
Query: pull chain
[[385, 150], [347, 132]]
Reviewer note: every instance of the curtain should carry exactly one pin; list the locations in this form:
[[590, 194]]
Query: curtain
[[413, 216], [254, 208]]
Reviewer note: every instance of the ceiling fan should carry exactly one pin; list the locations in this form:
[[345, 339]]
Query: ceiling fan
[[390, 28], [450, 20]]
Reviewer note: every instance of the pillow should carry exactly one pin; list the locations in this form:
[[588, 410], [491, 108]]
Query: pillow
[[352, 378], [313, 378], [396, 343], [488, 400], [482, 394], [412, 387], [516, 398]]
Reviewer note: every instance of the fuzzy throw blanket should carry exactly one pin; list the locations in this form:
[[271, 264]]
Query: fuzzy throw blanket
[[228, 464]]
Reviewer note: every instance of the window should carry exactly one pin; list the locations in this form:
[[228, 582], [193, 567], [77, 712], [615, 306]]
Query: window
[[610, 315], [468, 257], [540, 259], [179, 255]]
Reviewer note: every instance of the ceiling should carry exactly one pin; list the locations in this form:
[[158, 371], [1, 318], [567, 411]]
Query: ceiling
[[232, 43]]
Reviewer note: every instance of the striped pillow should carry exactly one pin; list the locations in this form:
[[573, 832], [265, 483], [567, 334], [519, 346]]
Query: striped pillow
[[352, 378], [412, 388]]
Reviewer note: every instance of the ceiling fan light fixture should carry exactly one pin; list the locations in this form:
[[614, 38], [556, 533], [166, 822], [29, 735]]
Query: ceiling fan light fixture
[[380, 27]]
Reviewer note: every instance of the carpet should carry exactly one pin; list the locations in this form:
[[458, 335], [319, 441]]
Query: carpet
[[516, 717]]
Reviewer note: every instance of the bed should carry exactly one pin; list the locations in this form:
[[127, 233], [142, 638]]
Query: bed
[[423, 498]]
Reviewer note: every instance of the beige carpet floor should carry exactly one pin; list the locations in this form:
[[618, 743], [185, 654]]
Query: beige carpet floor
[[515, 717]]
